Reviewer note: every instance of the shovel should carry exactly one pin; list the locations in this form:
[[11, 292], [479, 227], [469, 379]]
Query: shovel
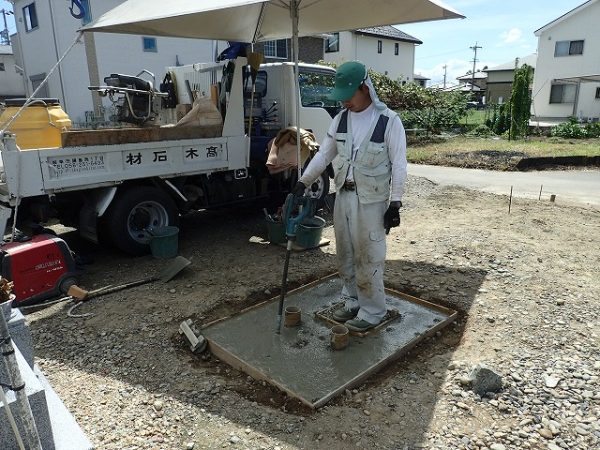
[[167, 274]]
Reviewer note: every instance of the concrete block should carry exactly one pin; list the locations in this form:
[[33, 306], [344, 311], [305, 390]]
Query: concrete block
[[37, 400], [21, 335]]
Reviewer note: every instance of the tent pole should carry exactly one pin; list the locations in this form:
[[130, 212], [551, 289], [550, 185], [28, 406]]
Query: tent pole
[[295, 50]]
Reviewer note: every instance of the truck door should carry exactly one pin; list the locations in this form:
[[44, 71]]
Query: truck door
[[316, 109]]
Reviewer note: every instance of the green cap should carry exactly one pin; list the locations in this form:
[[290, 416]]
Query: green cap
[[348, 78]]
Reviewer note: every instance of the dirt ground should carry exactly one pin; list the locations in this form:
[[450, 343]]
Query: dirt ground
[[526, 285]]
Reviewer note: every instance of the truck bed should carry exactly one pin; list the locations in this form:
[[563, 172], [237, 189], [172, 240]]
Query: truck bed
[[114, 136]]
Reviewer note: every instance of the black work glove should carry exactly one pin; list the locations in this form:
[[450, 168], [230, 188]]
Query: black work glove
[[299, 189], [391, 218]]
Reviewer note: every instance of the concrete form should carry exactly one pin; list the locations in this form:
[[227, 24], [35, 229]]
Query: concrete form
[[300, 360]]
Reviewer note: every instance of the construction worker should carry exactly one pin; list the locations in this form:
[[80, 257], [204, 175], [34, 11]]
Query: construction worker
[[367, 144]]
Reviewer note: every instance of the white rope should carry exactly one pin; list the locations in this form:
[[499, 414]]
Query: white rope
[[28, 102]]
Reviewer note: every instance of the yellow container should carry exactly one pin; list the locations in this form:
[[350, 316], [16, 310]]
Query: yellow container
[[38, 126]]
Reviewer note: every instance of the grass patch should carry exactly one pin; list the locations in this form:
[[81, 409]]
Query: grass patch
[[495, 153]]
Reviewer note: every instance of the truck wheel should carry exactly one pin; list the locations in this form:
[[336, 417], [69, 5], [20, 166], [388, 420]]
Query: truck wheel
[[134, 212], [319, 189]]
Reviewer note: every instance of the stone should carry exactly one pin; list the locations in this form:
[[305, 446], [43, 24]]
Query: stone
[[497, 447], [545, 433], [551, 381], [484, 379]]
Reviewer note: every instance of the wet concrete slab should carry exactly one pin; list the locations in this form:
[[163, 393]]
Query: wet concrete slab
[[300, 360]]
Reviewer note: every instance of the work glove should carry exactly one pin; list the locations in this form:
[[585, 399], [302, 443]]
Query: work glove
[[391, 218], [299, 189]]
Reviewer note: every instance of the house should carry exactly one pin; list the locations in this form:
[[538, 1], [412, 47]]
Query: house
[[46, 29], [420, 80], [567, 74], [11, 77], [310, 49], [384, 49], [476, 83], [500, 78]]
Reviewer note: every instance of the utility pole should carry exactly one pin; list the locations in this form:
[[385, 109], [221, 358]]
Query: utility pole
[[474, 48], [5, 37], [445, 73]]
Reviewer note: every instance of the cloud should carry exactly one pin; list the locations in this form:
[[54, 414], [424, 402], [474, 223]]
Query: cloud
[[511, 36]]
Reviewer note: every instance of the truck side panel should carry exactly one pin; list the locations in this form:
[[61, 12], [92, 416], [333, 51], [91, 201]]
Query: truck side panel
[[86, 167]]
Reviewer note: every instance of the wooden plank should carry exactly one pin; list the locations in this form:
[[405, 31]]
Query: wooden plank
[[115, 136]]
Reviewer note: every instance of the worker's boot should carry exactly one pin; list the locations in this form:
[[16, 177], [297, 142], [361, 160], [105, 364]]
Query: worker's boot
[[360, 325], [343, 314]]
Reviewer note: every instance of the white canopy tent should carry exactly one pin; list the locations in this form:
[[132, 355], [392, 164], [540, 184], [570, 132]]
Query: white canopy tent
[[260, 20]]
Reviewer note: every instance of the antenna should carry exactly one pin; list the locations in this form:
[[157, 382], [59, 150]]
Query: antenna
[[4, 36]]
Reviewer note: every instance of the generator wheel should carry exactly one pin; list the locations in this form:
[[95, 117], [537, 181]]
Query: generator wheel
[[133, 213]]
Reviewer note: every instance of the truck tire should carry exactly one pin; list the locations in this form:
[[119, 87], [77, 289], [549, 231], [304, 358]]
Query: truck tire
[[319, 189], [133, 212]]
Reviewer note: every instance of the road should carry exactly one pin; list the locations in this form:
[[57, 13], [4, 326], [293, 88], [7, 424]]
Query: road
[[569, 186]]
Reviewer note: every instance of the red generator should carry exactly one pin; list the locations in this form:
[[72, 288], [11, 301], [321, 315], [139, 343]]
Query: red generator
[[40, 268]]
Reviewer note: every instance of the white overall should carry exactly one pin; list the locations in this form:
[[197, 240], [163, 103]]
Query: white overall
[[360, 243]]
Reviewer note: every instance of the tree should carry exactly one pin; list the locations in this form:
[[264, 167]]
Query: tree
[[520, 102]]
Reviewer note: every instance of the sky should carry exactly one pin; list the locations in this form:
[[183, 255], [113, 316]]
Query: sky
[[504, 29]]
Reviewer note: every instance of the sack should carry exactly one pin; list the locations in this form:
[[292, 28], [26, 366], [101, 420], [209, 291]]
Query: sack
[[283, 150]]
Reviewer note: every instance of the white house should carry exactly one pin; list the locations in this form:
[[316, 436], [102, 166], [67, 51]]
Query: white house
[[567, 74], [46, 29], [384, 49], [11, 78]]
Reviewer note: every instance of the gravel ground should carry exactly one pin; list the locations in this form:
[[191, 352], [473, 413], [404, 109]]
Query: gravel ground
[[526, 286]]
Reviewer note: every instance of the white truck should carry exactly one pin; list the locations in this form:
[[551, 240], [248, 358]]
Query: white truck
[[116, 185]]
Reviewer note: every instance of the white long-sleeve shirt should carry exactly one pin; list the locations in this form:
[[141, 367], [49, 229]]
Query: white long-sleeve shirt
[[395, 140]]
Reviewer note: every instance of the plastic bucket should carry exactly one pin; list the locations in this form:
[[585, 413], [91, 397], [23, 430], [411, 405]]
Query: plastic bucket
[[276, 232], [309, 232], [164, 242]]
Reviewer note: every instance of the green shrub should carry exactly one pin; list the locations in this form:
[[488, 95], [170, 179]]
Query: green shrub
[[592, 130], [569, 130], [480, 130]]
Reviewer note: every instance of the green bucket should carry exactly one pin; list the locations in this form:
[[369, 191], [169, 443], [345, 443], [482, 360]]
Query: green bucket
[[164, 242], [276, 232], [309, 232]]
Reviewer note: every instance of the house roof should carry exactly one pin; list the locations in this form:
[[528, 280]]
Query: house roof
[[564, 17], [530, 60], [420, 77], [469, 76], [388, 32]]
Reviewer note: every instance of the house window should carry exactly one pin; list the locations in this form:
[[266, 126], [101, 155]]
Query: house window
[[332, 43], [149, 44], [396, 49], [30, 17], [36, 80], [2, 69], [563, 93], [276, 49], [567, 48], [87, 12], [598, 92], [379, 46]]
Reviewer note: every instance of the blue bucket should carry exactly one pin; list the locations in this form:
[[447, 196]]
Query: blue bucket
[[309, 232], [164, 242]]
